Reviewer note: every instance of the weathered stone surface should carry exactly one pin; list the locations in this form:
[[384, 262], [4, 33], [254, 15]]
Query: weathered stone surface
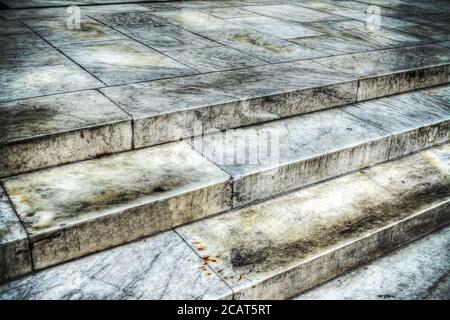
[[160, 267], [168, 110], [275, 157], [53, 130], [441, 92], [287, 245], [415, 120], [15, 257], [77, 209], [332, 45], [124, 61], [391, 71], [418, 271]]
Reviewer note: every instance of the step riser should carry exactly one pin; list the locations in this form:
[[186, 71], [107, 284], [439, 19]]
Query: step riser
[[332, 264], [377, 87]]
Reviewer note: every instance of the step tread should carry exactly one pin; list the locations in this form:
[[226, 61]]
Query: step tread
[[416, 272], [220, 252], [276, 248], [64, 208]]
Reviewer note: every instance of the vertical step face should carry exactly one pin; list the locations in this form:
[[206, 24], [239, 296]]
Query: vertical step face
[[15, 257], [54, 130], [168, 110], [284, 246], [81, 208], [268, 159], [160, 268], [391, 71]]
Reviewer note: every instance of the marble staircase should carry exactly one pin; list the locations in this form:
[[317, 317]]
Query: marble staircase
[[151, 156]]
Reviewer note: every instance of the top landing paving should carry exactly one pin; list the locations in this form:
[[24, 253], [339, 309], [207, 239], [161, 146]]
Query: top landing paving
[[123, 42]]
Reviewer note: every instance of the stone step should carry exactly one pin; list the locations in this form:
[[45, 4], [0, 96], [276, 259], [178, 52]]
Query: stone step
[[271, 158], [275, 249], [73, 210], [282, 247], [419, 271], [52, 130]]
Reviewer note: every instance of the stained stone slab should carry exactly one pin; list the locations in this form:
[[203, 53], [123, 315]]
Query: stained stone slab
[[53, 130], [77, 209], [62, 11], [124, 61], [58, 33], [391, 71], [271, 158], [154, 32], [214, 59], [168, 110], [332, 45], [282, 247], [358, 31], [20, 42], [263, 46], [162, 267], [230, 12], [32, 81], [383, 21], [441, 92], [417, 271], [417, 121], [31, 57], [13, 27], [434, 30], [275, 27], [15, 257], [292, 13]]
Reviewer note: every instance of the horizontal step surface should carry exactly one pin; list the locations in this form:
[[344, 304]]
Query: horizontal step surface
[[284, 246], [47, 131], [271, 158], [77, 209]]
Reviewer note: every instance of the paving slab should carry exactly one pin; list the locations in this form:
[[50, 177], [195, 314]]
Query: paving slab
[[53, 130], [282, 247], [440, 92], [15, 259], [391, 71], [77, 209], [178, 108], [124, 61], [332, 45], [162, 267]]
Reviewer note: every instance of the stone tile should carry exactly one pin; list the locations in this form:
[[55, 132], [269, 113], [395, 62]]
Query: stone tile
[[168, 110], [263, 46], [332, 45], [21, 42], [155, 32], [271, 158], [230, 12], [383, 21], [417, 121], [391, 71], [52, 130], [441, 92], [13, 27], [357, 31], [62, 11], [282, 247], [81, 208], [436, 31], [59, 33], [21, 83], [417, 271], [275, 27], [292, 13], [15, 257], [54, 3], [214, 59], [162, 267], [124, 61], [195, 21], [31, 57]]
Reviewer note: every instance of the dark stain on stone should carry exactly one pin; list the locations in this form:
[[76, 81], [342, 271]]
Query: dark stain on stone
[[247, 38], [324, 235]]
